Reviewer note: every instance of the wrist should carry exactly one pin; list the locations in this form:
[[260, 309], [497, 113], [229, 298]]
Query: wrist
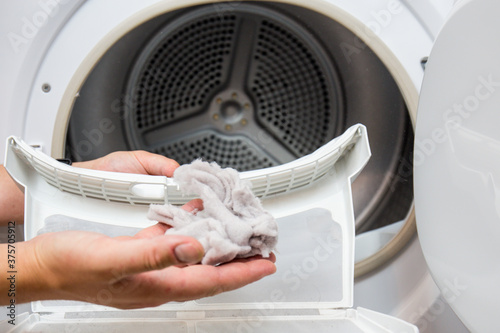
[[11, 199], [33, 281]]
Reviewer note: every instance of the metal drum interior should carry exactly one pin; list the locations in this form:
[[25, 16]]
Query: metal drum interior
[[248, 85]]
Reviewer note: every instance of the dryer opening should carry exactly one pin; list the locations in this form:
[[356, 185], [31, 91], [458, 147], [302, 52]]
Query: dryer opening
[[255, 86]]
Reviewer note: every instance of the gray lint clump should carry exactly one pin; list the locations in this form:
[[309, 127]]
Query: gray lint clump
[[232, 224]]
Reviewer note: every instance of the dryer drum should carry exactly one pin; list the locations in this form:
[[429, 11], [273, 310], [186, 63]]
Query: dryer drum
[[248, 85], [249, 89]]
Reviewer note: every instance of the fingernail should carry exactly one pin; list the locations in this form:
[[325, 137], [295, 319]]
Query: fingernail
[[188, 254]]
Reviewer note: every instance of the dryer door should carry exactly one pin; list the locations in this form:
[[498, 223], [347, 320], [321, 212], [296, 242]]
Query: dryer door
[[457, 163]]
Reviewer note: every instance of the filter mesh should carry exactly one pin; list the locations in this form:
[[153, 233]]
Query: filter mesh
[[183, 70], [235, 152], [291, 90], [283, 71]]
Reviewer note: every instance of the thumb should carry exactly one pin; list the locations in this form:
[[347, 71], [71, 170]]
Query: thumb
[[141, 255], [155, 164]]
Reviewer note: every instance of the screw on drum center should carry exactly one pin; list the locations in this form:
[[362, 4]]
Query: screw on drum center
[[231, 112]]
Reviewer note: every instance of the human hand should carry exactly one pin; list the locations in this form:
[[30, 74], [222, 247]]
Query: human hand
[[139, 161], [146, 270]]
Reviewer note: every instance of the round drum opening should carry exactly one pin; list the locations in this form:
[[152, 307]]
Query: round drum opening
[[216, 87], [248, 85]]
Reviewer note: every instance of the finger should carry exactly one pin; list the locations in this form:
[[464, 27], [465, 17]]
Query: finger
[[194, 205], [232, 276], [203, 280], [153, 231], [156, 164], [127, 257], [271, 258]]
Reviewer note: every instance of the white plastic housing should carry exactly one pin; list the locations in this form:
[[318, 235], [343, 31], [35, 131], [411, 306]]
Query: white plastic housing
[[310, 197]]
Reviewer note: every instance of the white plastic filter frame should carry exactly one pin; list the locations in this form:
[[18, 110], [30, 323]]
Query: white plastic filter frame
[[142, 189], [320, 181], [360, 320]]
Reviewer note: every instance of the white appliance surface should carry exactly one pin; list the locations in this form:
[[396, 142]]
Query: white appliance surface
[[38, 43], [457, 163]]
